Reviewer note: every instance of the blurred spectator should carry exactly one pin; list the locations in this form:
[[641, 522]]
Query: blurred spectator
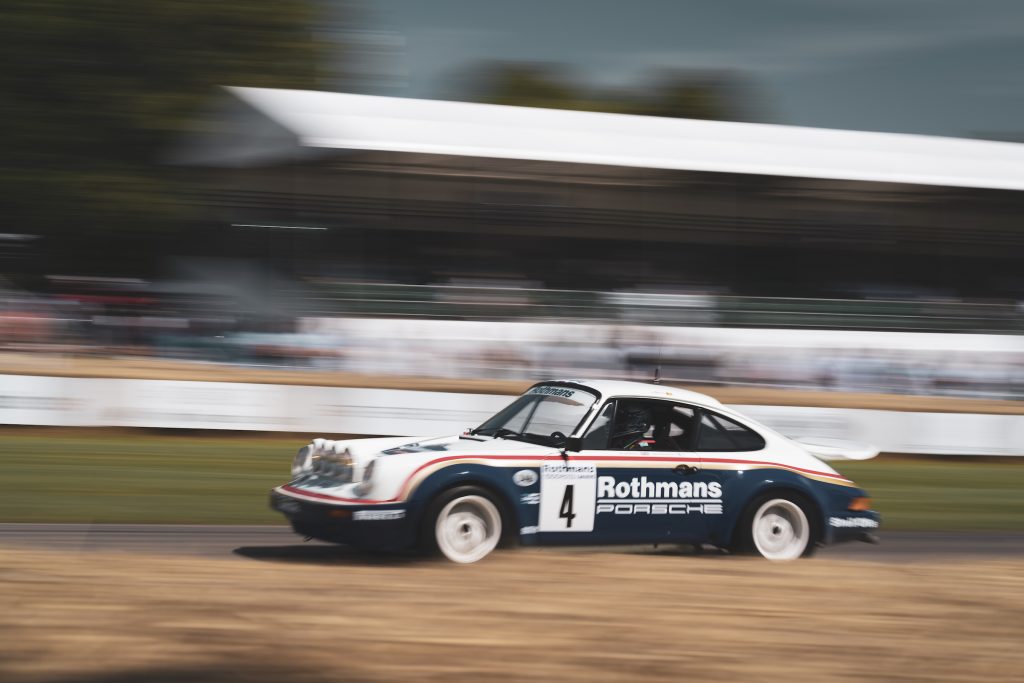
[[476, 330]]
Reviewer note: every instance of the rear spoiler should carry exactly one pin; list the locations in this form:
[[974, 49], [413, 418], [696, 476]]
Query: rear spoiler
[[837, 449]]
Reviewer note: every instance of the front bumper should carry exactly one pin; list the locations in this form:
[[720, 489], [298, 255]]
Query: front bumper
[[381, 527]]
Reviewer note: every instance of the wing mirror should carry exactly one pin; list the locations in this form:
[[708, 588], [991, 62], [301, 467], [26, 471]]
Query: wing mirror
[[573, 444]]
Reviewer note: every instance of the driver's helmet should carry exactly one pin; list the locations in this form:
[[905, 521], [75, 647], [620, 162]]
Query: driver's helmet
[[631, 421]]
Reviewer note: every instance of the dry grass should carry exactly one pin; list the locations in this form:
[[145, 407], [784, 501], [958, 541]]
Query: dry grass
[[524, 615], [156, 368]]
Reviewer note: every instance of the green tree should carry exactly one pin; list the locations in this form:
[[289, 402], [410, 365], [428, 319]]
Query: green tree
[[93, 93], [676, 93], [695, 94], [527, 85]]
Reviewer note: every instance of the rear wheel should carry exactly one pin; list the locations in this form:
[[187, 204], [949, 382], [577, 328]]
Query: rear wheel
[[466, 525], [778, 527]]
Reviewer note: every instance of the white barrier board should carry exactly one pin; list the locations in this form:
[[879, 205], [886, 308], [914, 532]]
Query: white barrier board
[[85, 402]]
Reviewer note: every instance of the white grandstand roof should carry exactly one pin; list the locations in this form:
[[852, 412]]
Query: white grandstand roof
[[366, 122]]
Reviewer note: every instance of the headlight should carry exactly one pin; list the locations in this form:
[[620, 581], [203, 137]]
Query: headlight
[[328, 459], [333, 461], [363, 487], [303, 461]]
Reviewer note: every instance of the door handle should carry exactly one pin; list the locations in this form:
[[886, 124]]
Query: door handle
[[685, 469]]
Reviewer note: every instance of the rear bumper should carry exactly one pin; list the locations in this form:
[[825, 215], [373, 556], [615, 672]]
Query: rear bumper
[[847, 525], [382, 527]]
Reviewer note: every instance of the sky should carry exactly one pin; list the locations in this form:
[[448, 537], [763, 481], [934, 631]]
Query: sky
[[938, 67]]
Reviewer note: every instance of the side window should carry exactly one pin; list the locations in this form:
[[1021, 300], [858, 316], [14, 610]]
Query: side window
[[679, 428], [640, 425], [596, 437], [719, 433], [633, 426]]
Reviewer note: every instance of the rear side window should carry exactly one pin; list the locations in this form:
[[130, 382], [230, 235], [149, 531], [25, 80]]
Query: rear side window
[[719, 433]]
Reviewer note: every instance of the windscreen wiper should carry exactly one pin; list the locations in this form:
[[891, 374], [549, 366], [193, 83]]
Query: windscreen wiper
[[498, 432]]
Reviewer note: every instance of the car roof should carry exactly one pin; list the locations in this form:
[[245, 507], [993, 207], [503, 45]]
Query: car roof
[[610, 387]]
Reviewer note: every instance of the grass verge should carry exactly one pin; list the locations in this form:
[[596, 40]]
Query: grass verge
[[128, 477], [938, 493], [139, 477]]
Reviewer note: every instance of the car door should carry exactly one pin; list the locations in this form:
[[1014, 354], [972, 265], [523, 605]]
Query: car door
[[643, 482]]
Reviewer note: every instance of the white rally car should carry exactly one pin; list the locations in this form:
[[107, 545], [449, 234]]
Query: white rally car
[[585, 463]]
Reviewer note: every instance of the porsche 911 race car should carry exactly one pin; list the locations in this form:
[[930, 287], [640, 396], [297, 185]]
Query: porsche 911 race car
[[584, 463]]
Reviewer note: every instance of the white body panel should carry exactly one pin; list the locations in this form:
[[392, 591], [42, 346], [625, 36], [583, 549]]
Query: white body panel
[[396, 474]]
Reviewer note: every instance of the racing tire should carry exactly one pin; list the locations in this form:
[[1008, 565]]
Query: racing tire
[[778, 526], [464, 525]]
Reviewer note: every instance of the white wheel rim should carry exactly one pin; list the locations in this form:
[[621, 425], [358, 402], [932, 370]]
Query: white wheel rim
[[468, 529], [780, 530]]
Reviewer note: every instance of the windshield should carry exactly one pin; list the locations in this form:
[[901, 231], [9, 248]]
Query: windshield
[[544, 415]]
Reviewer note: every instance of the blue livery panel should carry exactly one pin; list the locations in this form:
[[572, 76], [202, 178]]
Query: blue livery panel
[[673, 502]]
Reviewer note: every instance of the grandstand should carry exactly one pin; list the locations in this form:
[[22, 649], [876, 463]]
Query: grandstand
[[429, 192]]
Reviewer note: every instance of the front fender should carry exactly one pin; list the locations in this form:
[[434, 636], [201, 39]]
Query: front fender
[[498, 480]]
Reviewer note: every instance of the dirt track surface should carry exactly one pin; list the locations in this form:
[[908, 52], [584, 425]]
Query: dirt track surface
[[279, 542], [117, 617]]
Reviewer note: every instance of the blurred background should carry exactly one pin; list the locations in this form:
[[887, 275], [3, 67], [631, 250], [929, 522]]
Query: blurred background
[[156, 206], [229, 227]]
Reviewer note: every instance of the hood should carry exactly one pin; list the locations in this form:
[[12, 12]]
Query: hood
[[365, 450], [463, 444]]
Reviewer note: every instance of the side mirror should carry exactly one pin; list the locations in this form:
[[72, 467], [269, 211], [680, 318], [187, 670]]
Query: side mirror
[[573, 443]]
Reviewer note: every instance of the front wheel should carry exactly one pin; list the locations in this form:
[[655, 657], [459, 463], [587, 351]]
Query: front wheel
[[467, 525], [778, 528]]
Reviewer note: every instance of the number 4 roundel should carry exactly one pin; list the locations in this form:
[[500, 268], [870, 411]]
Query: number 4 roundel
[[568, 493]]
